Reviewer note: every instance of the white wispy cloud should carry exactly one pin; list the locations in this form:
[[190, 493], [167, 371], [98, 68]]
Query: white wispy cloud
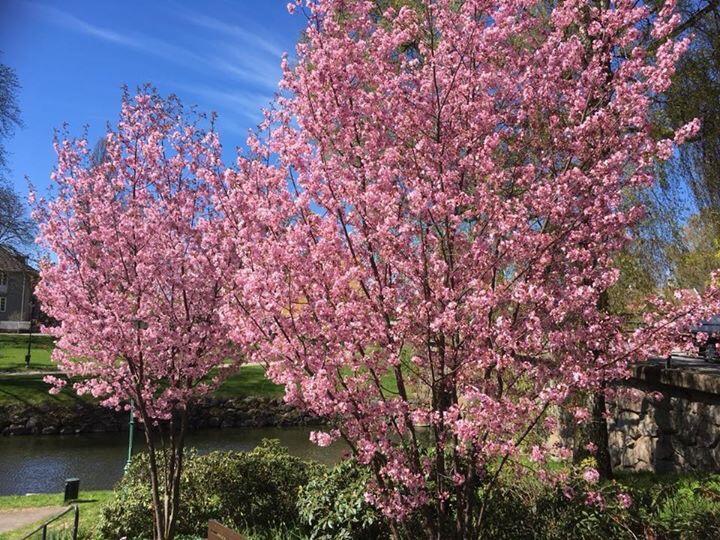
[[246, 104], [246, 67], [247, 56], [247, 37], [139, 42]]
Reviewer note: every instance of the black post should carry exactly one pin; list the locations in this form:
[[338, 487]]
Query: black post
[[27, 356], [76, 523]]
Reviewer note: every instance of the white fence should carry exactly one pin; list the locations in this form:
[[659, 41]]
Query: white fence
[[14, 326]]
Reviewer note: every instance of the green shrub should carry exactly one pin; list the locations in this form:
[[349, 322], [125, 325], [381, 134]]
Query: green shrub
[[253, 490], [677, 506], [663, 506], [129, 512], [332, 505], [268, 494]]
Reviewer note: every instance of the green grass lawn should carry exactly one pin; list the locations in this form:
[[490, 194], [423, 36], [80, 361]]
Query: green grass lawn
[[249, 381], [13, 348], [31, 390], [90, 505]]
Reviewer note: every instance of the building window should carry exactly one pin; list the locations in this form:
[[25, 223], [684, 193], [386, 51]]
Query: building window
[[3, 303], [3, 278]]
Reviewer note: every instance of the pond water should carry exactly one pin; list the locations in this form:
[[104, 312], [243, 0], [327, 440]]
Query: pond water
[[40, 464]]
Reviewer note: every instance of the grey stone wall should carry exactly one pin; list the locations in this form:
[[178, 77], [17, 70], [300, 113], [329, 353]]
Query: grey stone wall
[[678, 432]]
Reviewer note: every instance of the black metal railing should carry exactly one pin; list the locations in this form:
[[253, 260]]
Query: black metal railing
[[50, 530]]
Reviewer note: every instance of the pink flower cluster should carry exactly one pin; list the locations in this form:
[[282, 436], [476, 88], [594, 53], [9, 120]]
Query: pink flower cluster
[[423, 236], [133, 283]]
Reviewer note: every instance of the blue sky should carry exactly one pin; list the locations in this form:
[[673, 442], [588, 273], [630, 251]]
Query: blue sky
[[72, 58]]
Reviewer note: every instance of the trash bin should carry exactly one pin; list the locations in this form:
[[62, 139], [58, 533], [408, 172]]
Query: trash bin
[[72, 489]]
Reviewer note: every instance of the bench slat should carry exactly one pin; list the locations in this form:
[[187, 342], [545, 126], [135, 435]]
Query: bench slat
[[218, 531]]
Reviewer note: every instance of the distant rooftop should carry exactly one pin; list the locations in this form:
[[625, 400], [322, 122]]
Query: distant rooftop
[[12, 261]]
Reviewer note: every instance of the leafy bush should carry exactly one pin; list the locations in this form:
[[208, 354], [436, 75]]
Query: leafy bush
[[268, 494], [254, 490], [332, 505], [632, 506], [677, 506]]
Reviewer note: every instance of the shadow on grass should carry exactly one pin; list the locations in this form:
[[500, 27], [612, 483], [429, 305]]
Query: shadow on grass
[[32, 391]]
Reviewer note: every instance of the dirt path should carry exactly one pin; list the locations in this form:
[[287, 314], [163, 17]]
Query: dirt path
[[22, 517]]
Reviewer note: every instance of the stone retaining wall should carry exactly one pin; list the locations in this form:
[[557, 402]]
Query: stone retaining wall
[[678, 432], [47, 419]]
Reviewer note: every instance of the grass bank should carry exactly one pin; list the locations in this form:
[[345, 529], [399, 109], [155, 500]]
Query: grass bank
[[18, 387], [90, 504], [32, 391]]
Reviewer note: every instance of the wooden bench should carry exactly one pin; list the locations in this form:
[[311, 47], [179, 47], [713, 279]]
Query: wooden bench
[[217, 531]]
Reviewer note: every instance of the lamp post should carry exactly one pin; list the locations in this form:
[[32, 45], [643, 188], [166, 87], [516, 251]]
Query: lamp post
[[140, 325], [131, 435]]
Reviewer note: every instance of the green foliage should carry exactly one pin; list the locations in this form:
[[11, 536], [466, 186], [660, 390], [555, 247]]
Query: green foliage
[[677, 242], [695, 93], [332, 505], [682, 507], [699, 253], [253, 490], [685, 507], [267, 494]]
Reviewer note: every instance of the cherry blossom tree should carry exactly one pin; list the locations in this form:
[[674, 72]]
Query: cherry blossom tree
[[135, 289], [424, 233]]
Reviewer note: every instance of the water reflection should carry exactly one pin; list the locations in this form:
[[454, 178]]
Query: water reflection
[[40, 464]]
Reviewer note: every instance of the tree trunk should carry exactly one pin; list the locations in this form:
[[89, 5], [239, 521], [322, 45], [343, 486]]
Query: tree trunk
[[595, 432], [177, 437], [165, 480]]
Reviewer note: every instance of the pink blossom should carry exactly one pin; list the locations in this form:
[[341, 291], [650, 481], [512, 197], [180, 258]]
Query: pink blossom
[[657, 396], [591, 475], [581, 414], [537, 454], [624, 500], [687, 131], [595, 498], [56, 382], [321, 438]]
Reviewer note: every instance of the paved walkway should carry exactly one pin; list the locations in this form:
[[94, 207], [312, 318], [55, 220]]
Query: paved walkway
[[57, 373], [21, 374], [22, 517]]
